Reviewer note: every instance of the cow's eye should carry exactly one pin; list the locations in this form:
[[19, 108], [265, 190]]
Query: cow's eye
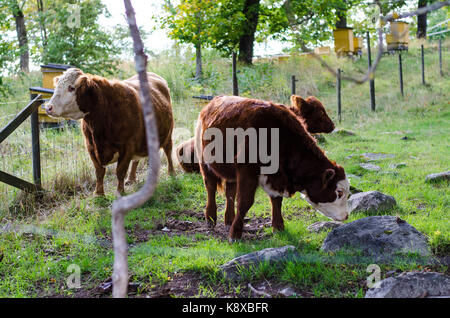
[[340, 193], [71, 88]]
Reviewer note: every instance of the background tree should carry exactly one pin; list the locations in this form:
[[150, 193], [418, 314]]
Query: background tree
[[189, 22]]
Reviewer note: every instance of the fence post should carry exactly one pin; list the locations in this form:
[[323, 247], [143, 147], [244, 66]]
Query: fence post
[[440, 58], [372, 79], [35, 146], [293, 81], [338, 88], [235, 81], [400, 71], [423, 64]]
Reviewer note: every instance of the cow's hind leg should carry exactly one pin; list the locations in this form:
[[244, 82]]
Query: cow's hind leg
[[230, 193], [122, 167], [168, 151], [277, 218], [100, 175], [132, 175], [211, 181], [246, 188]]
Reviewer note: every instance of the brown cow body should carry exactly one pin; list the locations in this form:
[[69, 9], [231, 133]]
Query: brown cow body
[[113, 123], [310, 110], [303, 166]]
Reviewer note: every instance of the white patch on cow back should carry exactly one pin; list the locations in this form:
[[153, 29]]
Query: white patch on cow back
[[263, 182]]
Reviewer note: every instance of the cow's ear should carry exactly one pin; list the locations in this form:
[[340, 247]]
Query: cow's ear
[[327, 176], [86, 93], [56, 80], [297, 101]]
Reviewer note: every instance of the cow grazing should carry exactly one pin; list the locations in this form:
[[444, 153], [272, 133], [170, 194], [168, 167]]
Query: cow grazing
[[310, 110], [112, 119], [303, 166]]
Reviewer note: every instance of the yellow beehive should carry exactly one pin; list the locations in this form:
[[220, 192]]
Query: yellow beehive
[[343, 40], [322, 50], [357, 44], [399, 32], [49, 72]]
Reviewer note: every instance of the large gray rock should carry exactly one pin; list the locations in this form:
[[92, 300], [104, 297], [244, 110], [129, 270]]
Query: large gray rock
[[232, 269], [324, 226], [378, 236], [437, 177], [370, 156], [412, 285], [371, 202]]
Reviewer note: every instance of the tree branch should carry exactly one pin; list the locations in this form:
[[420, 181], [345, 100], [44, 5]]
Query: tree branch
[[124, 204]]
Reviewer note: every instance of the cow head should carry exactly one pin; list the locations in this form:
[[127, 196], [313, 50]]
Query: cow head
[[314, 114], [64, 100], [329, 194]]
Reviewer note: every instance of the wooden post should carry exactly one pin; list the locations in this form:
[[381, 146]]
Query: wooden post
[[235, 81], [440, 58], [372, 80], [293, 81], [338, 88], [423, 64], [400, 71], [35, 145]]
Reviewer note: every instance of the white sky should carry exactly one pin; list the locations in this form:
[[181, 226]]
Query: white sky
[[158, 40]]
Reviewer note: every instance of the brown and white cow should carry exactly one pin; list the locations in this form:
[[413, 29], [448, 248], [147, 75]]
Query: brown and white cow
[[310, 110], [112, 119], [303, 166]]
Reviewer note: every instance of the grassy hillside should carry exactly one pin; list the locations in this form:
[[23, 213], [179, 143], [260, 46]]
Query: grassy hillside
[[40, 239]]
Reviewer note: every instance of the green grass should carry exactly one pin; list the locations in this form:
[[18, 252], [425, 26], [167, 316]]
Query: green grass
[[73, 227]]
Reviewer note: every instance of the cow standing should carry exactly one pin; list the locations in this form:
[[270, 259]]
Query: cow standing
[[112, 119], [310, 110], [303, 166]]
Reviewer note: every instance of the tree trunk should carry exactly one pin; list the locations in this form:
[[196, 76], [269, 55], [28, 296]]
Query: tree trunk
[[422, 21], [341, 19], [251, 12], [40, 6], [22, 37], [198, 62]]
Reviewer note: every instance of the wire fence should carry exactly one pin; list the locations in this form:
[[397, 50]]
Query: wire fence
[[64, 161]]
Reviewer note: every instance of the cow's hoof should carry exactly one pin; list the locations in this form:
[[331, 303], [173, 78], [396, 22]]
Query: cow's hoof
[[211, 224]]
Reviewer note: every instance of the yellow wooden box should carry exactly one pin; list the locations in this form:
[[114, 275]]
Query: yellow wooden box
[[49, 72], [357, 44], [399, 32], [343, 40], [322, 50]]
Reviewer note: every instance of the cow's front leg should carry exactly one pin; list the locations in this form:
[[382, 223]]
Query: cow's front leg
[[121, 171], [246, 188], [277, 218], [211, 181], [230, 193]]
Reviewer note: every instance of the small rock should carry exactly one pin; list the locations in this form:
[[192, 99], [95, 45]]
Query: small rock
[[287, 292], [231, 269], [437, 177], [369, 167], [343, 132], [371, 202], [379, 237], [397, 165], [412, 285], [165, 229], [370, 156], [324, 226]]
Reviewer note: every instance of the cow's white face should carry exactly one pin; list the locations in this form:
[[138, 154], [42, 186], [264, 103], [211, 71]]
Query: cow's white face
[[64, 100], [337, 210]]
